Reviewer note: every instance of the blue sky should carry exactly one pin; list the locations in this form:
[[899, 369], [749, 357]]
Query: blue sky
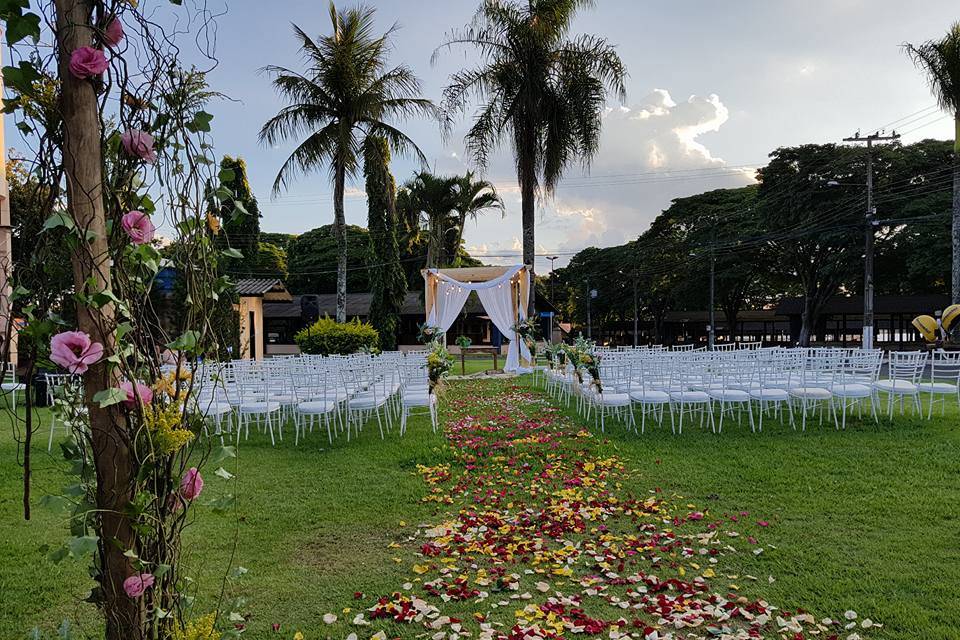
[[713, 87]]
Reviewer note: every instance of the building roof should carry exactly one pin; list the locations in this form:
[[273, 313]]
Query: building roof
[[745, 315], [881, 304], [272, 288]]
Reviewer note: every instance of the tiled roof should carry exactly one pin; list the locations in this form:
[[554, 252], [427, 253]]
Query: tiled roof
[[257, 286]]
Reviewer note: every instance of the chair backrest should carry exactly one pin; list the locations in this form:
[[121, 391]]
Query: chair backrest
[[907, 365], [945, 366]]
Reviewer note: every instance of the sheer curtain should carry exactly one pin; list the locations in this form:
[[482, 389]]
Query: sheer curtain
[[498, 304], [447, 304]]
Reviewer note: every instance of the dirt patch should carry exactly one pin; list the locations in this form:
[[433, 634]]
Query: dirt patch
[[346, 549]]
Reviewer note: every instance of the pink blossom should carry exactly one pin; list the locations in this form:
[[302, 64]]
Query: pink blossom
[[192, 484], [74, 351], [136, 584], [139, 144], [113, 33], [763, 523], [86, 62], [145, 393], [138, 226]]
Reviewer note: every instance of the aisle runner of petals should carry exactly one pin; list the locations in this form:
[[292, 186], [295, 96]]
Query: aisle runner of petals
[[544, 539]]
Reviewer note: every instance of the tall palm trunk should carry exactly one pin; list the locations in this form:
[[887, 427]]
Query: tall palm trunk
[[955, 274], [83, 162], [340, 233], [528, 204]]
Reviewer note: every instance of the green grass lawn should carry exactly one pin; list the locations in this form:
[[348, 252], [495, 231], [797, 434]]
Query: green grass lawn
[[864, 520]]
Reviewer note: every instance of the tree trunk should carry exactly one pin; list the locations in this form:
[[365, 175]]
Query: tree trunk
[[113, 461], [528, 200], [955, 274], [340, 233]]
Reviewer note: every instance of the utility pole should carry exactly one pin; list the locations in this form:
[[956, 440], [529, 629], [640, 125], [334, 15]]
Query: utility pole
[[871, 222], [712, 329], [636, 310], [589, 324], [553, 300]]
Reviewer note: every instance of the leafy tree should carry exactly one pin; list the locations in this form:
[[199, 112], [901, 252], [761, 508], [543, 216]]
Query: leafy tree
[[312, 260], [388, 284], [538, 88], [240, 218], [346, 94], [281, 240], [474, 197], [940, 59], [434, 199], [271, 261]]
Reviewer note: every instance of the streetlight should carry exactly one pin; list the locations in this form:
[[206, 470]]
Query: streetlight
[[711, 324], [636, 305], [591, 293]]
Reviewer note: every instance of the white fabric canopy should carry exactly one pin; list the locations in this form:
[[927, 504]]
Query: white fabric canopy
[[496, 295]]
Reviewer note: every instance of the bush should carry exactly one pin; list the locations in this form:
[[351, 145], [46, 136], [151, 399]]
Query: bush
[[326, 337]]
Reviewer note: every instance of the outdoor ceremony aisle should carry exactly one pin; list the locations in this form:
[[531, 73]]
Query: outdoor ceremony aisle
[[539, 533]]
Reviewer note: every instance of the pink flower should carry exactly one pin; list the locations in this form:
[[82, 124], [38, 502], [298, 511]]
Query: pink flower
[[113, 33], [136, 584], [74, 351], [145, 393], [86, 62], [138, 226], [763, 523], [192, 484], [139, 144]]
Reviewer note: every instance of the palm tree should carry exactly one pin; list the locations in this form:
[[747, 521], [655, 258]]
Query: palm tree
[[940, 59], [346, 94], [473, 198], [434, 199], [543, 91]]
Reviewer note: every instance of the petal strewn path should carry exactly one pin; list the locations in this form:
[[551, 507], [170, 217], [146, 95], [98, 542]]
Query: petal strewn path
[[539, 536]]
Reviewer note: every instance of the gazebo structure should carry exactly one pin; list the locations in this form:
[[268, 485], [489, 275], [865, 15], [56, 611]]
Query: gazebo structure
[[504, 293]]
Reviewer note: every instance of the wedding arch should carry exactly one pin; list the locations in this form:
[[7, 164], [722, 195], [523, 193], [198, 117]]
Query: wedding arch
[[504, 293]]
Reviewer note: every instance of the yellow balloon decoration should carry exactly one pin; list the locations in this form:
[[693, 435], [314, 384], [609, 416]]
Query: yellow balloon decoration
[[950, 317], [927, 326]]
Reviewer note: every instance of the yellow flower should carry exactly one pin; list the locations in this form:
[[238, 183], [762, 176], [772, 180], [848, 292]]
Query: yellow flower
[[199, 629], [164, 424], [298, 636], [213, 223]]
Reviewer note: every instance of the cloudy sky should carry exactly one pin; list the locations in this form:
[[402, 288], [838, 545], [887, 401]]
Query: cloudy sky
[[713, 88]]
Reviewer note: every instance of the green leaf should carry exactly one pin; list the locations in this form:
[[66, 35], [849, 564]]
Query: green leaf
[[223, 504], [232, 253], [227, 175], [187, 341], [59, 219], [222, 453], [57, 504], [110, 397], [82, 546], [160, 570], [21, 77], [201, 122], [20, 27], [223, 473]]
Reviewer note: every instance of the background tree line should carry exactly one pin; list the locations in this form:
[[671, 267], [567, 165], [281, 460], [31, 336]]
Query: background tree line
[[798, 232]]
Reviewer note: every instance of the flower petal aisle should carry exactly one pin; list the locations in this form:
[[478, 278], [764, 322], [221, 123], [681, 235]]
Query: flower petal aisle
[[539, 535]]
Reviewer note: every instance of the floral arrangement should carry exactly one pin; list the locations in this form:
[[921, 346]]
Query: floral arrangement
[[439, 363], [428, 333], [527, 330], [463, 342], [582, 355]]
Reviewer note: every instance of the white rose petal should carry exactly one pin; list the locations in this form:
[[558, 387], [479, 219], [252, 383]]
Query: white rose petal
[[329, 618]]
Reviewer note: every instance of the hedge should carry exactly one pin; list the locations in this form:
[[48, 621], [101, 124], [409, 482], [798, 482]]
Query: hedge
[[326, 337]]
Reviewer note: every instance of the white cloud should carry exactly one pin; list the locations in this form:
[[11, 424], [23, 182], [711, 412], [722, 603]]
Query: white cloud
[[649, 154]]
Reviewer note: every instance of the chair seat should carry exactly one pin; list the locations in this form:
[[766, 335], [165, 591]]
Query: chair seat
[[852, 390], [419, 399], [895, 386], [213, 409], [769, 395], [613, 399], [938, 387], [13, 386], [317, 406], [689, 396], [729, 395], [649, 396], [366, 402], [811, 393], [259, 407]]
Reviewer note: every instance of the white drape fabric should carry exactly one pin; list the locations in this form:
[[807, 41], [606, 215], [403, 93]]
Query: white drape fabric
[[496, 297], [447, 304]]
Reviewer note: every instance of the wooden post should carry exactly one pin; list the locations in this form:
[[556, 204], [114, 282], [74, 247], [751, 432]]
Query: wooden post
[[83, 166]]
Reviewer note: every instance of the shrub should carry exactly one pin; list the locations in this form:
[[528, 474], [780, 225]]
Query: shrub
[[325, 337]]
